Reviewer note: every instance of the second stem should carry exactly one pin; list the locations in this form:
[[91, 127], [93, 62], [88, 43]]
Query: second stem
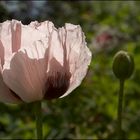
[[120, 109]]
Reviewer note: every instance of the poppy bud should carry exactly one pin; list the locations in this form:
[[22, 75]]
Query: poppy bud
[[123, 65]]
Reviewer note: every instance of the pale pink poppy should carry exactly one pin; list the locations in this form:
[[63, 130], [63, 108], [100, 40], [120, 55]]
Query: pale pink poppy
[[39, 61]]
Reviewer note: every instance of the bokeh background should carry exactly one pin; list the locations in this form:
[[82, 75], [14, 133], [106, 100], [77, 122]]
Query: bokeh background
[[90, 111]]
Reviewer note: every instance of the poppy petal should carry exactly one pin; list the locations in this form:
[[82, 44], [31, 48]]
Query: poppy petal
[[25, 74]]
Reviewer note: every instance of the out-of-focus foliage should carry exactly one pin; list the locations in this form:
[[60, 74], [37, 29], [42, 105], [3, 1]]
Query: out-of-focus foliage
[[90, 111]]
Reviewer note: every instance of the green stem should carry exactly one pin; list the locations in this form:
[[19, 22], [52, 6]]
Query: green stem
[[38, 114], [120, 109]]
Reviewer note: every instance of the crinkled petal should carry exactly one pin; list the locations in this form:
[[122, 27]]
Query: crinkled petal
[[1, 54], [45, 27], [25, 74], [5, 38], [79, 56], [35, 31], [55, 48], [14, 35], [58, 75]]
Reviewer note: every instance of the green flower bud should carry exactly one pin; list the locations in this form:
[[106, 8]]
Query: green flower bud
[[123, 65]]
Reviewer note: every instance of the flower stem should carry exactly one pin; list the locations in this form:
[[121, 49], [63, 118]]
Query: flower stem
[[120, 109], [38, 114]]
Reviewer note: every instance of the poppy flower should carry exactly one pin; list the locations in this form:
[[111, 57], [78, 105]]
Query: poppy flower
[[39, 61]]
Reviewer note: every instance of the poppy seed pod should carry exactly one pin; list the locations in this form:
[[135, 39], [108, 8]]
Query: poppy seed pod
[[123, 65], [39, 61]]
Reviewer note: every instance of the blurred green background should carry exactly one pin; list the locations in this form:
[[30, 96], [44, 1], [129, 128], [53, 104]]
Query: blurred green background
[[90, 111]]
